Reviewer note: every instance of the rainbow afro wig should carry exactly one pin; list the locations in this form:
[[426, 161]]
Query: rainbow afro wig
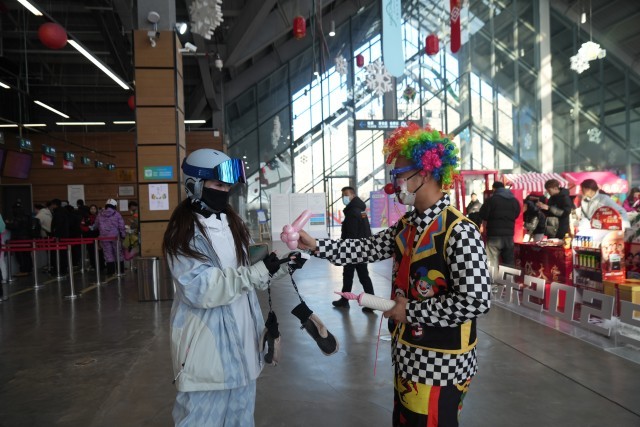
[[429, 149]]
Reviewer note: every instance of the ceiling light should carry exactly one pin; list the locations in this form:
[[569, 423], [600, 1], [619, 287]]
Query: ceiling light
[[42, 104], [4, 85], [98, 64], [80, 123], [35, 125], [30, 7], [8, 126], [333, 29], [181, 27], [194, 122], [124, 122]]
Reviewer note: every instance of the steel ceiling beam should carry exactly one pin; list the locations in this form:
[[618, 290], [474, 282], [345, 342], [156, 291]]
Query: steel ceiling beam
[[245, 28]]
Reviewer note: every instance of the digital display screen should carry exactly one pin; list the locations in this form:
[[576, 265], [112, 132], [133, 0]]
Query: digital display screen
[[17, 165]]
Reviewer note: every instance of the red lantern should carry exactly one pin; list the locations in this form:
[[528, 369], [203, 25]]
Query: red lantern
[[432, 44], [132, 102], [299, 27], [360, 61], [52, 35]]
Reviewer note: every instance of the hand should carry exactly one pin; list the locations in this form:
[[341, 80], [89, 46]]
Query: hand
[[295, 260], [272, 263], [542, 206], [306, 242], [399, 311]]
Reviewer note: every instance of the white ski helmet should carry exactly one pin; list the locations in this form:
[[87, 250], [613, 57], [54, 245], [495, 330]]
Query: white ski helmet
[[205, 164], [112, 202]]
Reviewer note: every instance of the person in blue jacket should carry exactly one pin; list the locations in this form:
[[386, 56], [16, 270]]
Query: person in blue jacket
[[216, 321]]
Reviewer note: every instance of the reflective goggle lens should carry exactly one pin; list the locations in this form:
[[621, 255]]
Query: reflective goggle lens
[[230, 171]]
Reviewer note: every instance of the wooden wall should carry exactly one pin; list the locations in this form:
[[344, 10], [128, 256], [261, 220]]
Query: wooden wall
[[49, 182]]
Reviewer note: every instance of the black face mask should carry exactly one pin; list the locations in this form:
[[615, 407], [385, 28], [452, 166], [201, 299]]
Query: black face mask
[[216, 200]]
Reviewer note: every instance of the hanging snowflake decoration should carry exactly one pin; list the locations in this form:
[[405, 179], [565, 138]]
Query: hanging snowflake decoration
[[589, 51], [341, 65], [409, 94], [206, 16], [579, 64], [595, 135], [378, 78]]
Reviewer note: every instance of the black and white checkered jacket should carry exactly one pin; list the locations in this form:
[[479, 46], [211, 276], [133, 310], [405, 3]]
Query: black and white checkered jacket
[[468, 298]]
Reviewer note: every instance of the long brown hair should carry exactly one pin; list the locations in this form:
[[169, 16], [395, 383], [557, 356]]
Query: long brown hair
[[181, 229]]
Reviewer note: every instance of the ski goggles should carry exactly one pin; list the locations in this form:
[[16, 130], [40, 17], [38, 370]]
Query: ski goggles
[[230, 171], [393, 174]]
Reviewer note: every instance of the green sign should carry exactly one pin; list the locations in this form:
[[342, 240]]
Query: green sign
[[158, 172]]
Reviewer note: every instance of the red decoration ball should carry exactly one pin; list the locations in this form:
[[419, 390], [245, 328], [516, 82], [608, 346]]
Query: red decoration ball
[[132, 102], [360, 61], [389, 189], [432, 45], [52, 35], [299, 27]]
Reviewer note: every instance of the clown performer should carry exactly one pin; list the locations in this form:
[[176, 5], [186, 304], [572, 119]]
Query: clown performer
[[440, 279]]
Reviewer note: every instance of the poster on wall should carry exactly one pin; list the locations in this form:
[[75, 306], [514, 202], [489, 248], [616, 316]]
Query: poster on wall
[[285, 208], [279, 213], [126, 190], [74, 193], [378, 209], [316, 204], [158, 197]]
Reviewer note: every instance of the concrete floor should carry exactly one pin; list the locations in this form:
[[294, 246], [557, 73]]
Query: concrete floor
[[103, 360]]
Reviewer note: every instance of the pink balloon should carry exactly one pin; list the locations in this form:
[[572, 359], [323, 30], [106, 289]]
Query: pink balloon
[[292, 244], [301, 220], [293, 237], [287, 228], [284, 237]]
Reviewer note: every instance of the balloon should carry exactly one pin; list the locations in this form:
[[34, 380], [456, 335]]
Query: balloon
[[293, 237], [287, 229]]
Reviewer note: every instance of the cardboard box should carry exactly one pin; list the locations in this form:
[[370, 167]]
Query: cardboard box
[[629, 290]]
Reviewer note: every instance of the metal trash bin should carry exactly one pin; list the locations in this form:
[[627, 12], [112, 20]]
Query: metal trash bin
[[154, 279]]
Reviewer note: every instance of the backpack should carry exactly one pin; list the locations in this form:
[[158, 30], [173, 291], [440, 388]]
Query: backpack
[[36, 228]]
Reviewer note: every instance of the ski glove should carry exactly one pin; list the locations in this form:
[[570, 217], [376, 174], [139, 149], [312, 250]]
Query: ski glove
[[314, 327], [271, 340], [272, 263]]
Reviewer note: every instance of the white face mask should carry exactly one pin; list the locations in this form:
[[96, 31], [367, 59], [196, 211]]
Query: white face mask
[[404, 196], [346, 200]]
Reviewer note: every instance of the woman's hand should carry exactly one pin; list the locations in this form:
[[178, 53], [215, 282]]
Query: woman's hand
[[306, 242]]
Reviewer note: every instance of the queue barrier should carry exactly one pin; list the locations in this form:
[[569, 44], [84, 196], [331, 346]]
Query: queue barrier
[[53, 244]]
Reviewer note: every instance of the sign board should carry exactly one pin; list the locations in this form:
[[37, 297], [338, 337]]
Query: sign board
[[74, 193], [606, 218], [47, 160], [69, 156], [158, 172], [285, 208], [383, 124], [126, 190], [85, 160], [25, 144], [158, 197], [67, 165]]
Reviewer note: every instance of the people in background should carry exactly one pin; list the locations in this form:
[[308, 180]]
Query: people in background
[[44, 215], [592, 199], [89, 230], [473, 210], [632, 202], [20, 226], [500, 212], [110, 223], [130, 243], [534, 220], [60, 228], [557, 210], [82, 209], [355, 226]]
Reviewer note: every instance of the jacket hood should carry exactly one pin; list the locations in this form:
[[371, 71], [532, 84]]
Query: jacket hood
[[504, 193]]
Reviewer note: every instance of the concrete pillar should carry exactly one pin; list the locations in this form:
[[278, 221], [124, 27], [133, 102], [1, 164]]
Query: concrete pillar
[[545, 148]]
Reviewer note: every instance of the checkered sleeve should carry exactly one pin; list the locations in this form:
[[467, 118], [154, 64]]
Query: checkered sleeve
[[358, 251], [471, 291]]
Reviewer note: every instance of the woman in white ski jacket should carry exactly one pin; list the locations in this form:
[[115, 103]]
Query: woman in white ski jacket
[[216, 320]]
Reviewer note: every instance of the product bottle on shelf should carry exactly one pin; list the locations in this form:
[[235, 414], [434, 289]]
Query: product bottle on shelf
[[567, 241]]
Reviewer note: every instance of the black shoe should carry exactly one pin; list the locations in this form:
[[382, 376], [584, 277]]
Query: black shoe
[[342, 302], [367, 310]]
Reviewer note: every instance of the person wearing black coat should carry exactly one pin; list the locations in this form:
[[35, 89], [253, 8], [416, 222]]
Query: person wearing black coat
[[355, 226], [20, 226], [559, 206], [500, 212], [60, 228]]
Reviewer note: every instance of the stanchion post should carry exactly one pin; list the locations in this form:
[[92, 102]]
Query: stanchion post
[[36, 285], [73, 294], [83, 255], [58, 275], [118, 272], [97, 255], [9, 272]]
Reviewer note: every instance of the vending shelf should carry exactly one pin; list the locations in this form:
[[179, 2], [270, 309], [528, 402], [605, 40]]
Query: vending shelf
[[595, 270], [590, 250]]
